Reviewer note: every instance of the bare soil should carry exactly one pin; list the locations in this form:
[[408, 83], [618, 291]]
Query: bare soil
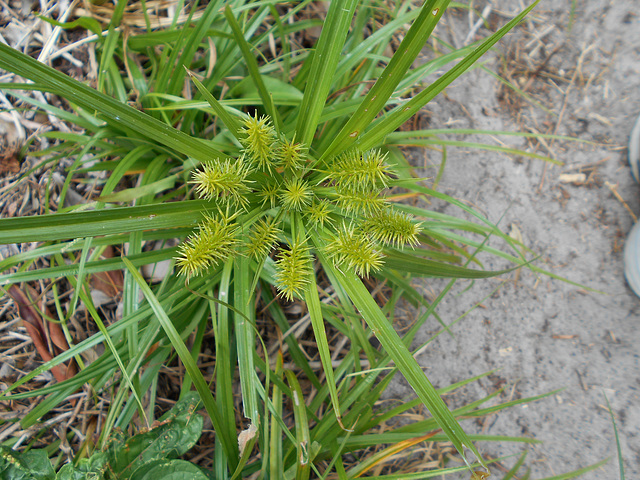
[[544, 334]]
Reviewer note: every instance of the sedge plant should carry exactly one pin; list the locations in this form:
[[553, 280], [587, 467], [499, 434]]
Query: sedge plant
[[280, 172]]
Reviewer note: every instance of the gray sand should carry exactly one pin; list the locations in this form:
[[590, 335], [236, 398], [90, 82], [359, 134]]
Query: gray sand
[[544, 334]]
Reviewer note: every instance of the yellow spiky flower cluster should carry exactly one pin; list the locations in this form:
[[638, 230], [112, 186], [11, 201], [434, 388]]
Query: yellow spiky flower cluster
[[273, 190]]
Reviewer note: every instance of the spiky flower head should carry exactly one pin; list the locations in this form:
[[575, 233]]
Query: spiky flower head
[[291, 155], [354, 250], [224, 180], [260, 142], [391, 227], [293, 269], [214, 242], [359, 202], [318, 213], [262, 237], [359, 171], [269, 193], [296, 194]]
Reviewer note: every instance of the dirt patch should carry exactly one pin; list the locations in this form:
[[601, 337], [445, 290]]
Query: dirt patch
[[581, 71]]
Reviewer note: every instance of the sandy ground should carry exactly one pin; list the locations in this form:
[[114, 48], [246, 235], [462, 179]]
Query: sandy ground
[[544, 334]]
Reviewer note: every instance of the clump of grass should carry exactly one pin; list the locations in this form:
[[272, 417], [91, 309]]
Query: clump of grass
[[292, 158]]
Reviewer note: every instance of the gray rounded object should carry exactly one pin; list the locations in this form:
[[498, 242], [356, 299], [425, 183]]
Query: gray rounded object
[[634, 150], [632, 259], [632, 245]]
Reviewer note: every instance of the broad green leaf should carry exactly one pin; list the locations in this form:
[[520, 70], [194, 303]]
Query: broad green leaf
[[129, 194], [145, 258], [85, 468], [313, 304], [222, 335], [303, 441], [275, 435], [245, 338], [62, 226], [87, 23], [169, 470], [405, 262], [177, 432], [29, 465]]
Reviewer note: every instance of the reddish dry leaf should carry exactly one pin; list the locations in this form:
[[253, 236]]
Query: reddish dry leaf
[[9, 162], [111, 282], [47, 337]]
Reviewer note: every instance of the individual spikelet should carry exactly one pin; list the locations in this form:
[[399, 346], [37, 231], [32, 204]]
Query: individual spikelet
[[293, 269], [358, 171], [223, 180], [354, 250], [259, 142], [261, 238], [214, 242], [296, 194], [291, 155], [391, 227]]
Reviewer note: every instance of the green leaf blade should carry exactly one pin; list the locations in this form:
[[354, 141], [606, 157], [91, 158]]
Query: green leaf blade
[[324, 63]]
